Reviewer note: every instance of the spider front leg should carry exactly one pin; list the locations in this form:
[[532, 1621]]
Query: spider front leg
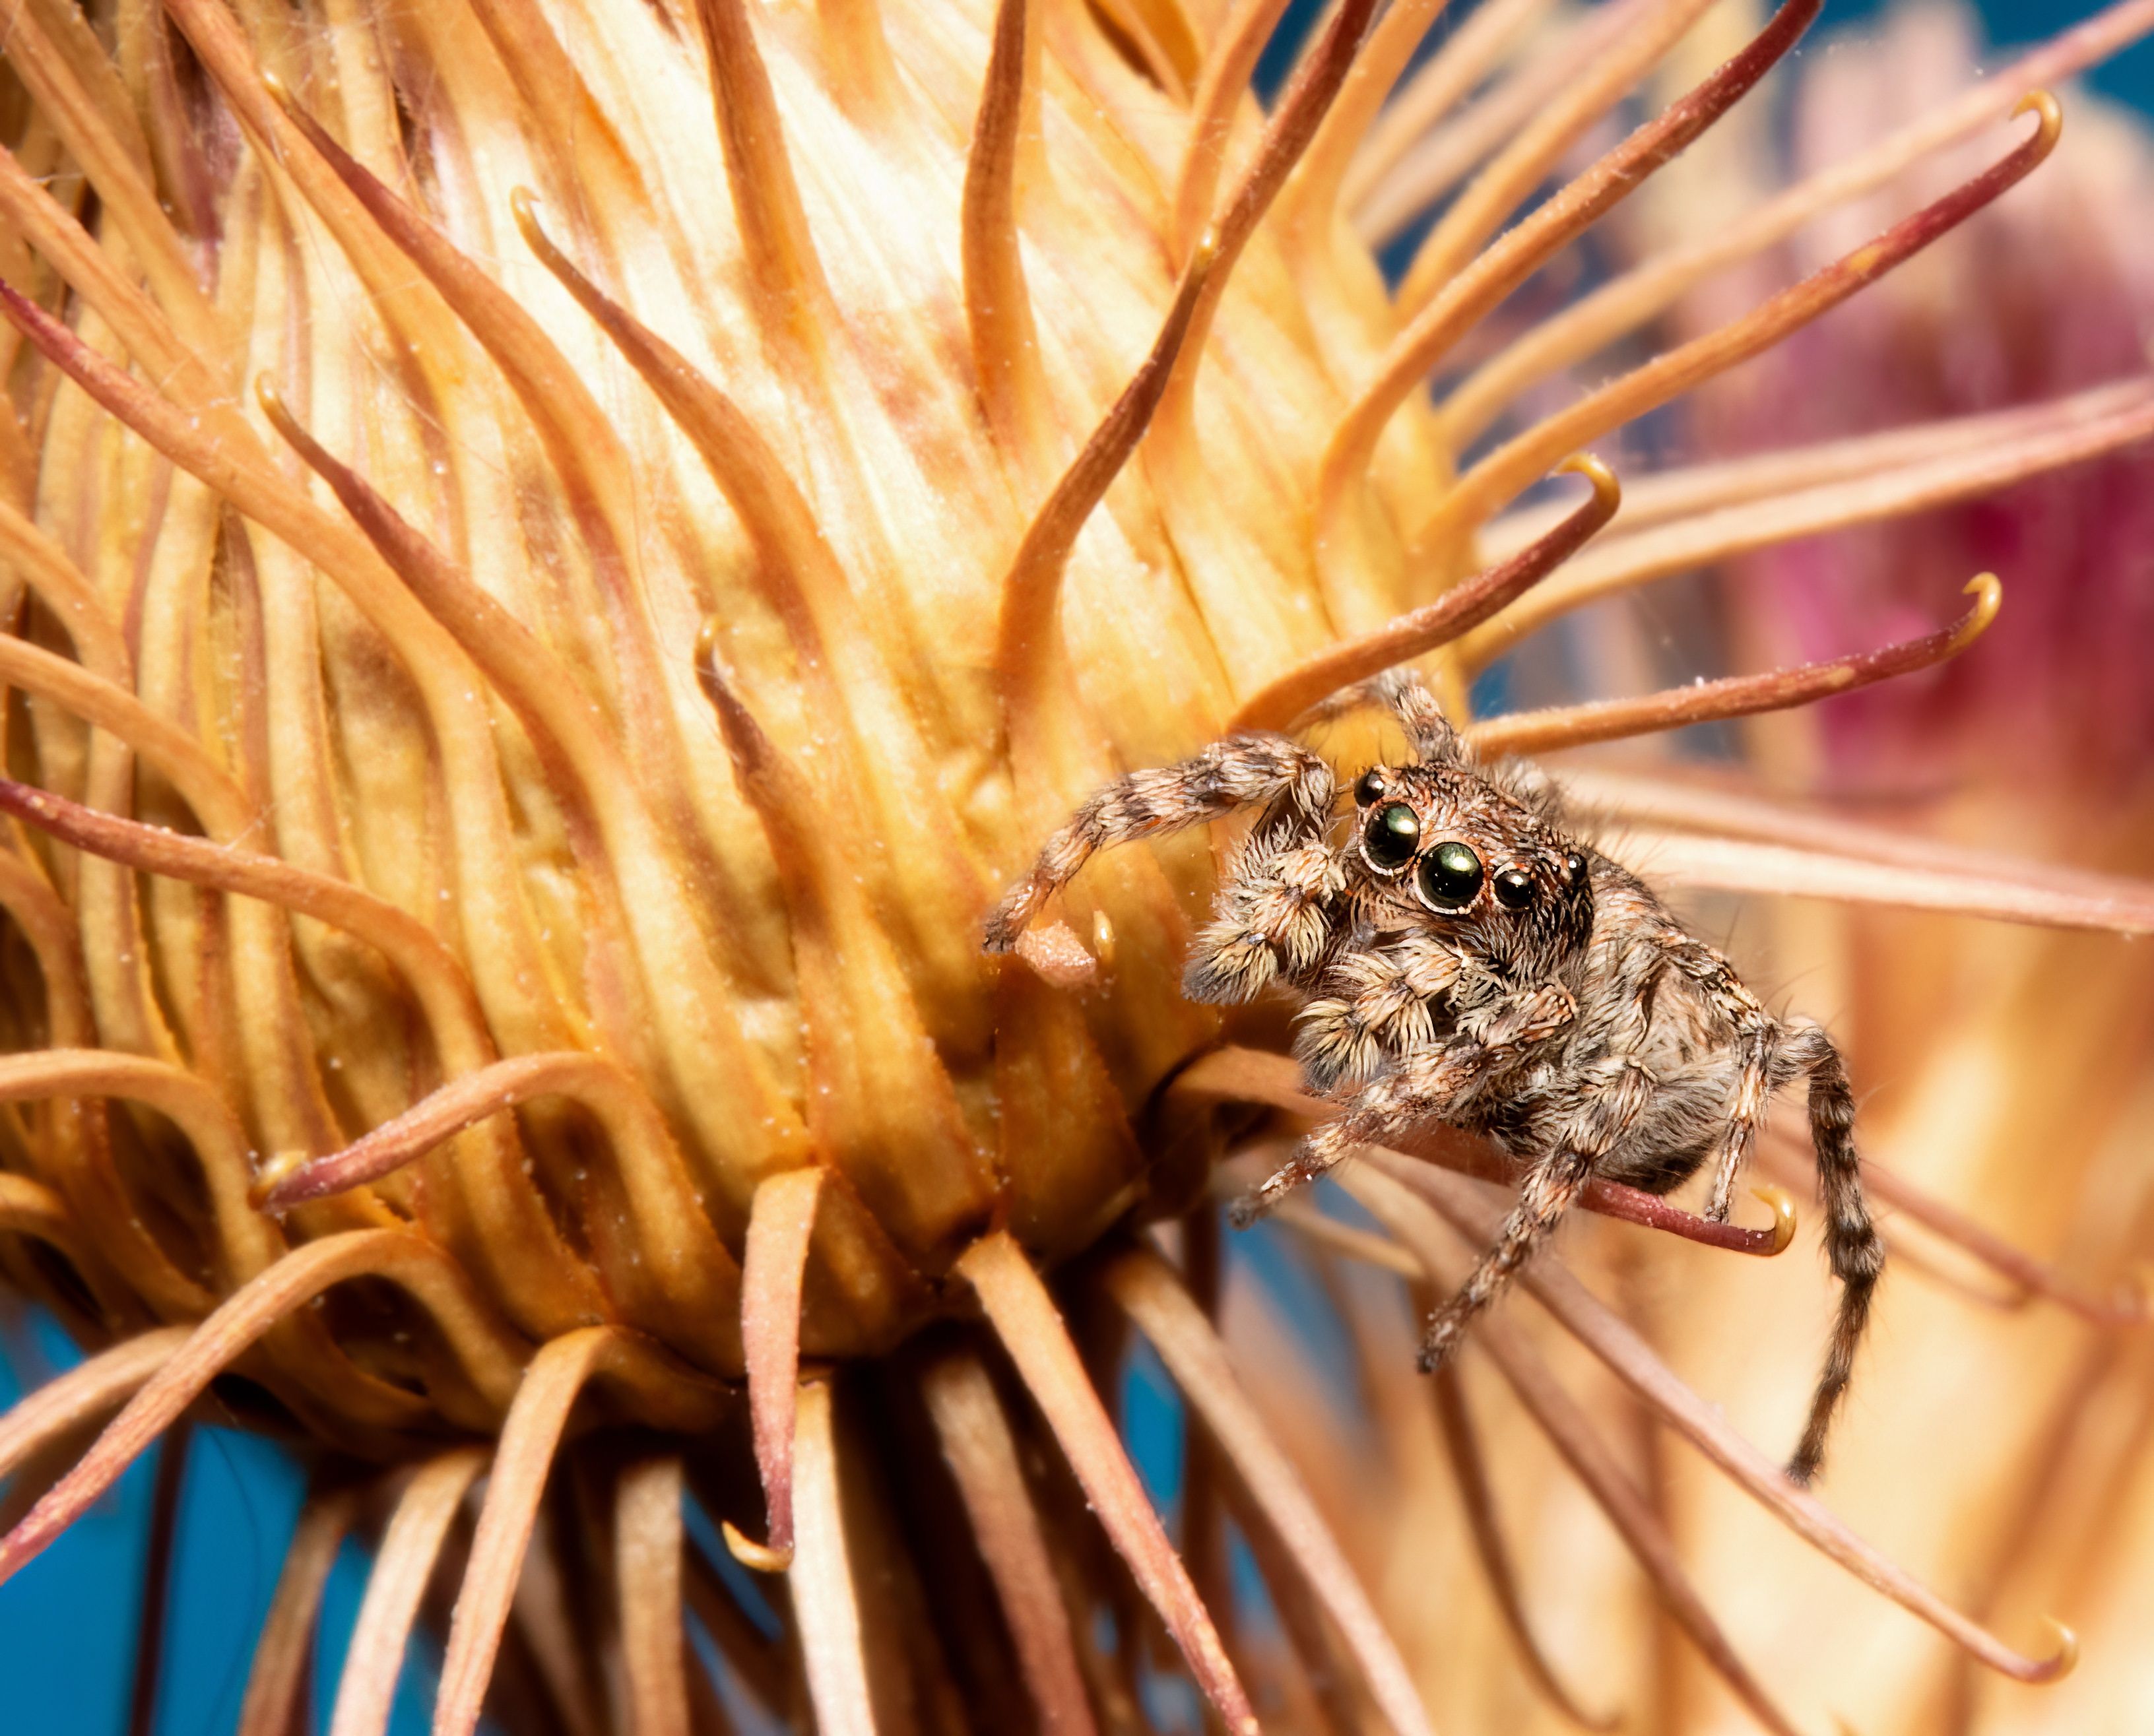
[[1425, 1085], [1239, 772], [1412, 706], [1606, 1112]]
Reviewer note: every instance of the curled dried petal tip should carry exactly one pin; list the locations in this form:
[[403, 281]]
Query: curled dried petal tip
[[756, 1557], [1989, 593], [1784, 1215], [1607, 491]]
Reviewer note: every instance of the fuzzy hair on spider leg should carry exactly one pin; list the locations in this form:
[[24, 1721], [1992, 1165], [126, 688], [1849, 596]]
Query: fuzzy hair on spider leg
[[1458, 958]]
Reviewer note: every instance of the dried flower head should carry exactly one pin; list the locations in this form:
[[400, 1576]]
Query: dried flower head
[[560, 553]]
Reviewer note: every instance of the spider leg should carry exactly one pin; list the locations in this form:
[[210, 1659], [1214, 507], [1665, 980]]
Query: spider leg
[[1604, 1114], [1415, 1091], [1239, 772], [1424, 1084], [1755, 1037], [1851, 1241], [1402, 693], [1375, 1005]]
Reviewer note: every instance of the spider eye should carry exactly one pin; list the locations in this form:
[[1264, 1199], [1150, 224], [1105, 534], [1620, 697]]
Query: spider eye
[[1515, 889], [1450, 875], [1370, 787], [1574, 865], [1388, 840]]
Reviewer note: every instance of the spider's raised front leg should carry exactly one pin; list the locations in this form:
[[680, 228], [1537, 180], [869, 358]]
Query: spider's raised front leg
[[1239, 772], [1606, 1110], [1426, 1085], [1412, 706]]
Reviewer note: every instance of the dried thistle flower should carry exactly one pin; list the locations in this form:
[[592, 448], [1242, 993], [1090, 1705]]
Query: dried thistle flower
[[429, 1028]]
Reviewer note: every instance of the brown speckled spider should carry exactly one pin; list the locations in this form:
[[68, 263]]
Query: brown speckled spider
[[1458, 958]]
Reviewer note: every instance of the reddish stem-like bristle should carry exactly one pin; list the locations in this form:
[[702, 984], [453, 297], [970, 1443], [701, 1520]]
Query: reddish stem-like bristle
[[487, 1350], [1518, 462], [1447, 1262], [1456, 613], [1740, 695], [1462, 1445], [1635, 1362], [146, 1672], [998, 302], [826, 1605], [2114, 905], [779, 1226], [403, 1564], [1141, 1284], [276, 1685], [982, 1457], [649, 1541], [523, 1459], [1025, 1319]]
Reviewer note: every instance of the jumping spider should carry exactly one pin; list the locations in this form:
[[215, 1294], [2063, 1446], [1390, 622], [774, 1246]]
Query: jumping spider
[[1459, 958]]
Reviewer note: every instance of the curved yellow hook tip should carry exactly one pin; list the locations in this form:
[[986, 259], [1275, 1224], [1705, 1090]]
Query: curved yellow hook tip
[[523, 205], [1784, 1215], [267, 395], [756, 1557], [707, 644], [276, 88], [2067, 1657], [275, 1169], [2051, 111], [1607, 491], [1987, 591]]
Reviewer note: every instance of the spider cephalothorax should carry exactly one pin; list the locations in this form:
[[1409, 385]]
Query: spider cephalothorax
[[1458, 958]]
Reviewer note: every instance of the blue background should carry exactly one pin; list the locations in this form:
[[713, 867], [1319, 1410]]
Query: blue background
[[66, 1626]]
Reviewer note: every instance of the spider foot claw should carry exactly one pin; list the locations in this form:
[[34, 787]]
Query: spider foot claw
[[1245, 1210], [1439, 1345]]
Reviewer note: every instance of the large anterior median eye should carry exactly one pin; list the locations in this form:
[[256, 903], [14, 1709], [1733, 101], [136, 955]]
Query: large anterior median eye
[[1450, 875], [1390, 838]]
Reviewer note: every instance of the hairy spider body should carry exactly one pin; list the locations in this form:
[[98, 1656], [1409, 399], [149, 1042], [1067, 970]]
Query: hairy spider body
[[1458, 958]]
